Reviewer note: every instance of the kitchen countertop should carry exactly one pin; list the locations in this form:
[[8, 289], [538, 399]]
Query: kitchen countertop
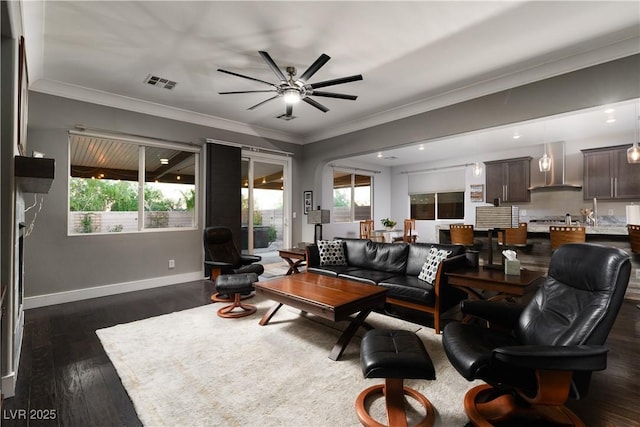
[[541, 227], [620, 230]]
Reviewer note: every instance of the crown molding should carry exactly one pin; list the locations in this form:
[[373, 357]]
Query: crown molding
[[79, 93], [610, 52]]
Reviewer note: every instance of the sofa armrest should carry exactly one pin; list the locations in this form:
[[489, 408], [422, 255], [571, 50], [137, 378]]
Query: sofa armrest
[[313, 256], [447, 295]]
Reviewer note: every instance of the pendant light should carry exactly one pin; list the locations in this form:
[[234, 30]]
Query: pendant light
[[477, 166], [633, 153], [545, 161], [477, 169]]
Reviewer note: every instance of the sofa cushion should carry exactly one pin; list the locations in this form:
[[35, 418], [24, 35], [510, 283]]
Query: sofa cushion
[[380, 256], [330, 270], [366, 276], [430, 266], [410, 288], [331, 252]]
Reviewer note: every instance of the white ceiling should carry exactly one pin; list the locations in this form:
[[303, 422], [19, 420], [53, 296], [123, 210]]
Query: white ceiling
[[414, 56]]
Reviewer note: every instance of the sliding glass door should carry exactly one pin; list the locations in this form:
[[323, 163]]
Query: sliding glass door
[[265, 203]]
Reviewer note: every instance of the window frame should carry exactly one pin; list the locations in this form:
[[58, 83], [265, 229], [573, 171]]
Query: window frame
[[352, 187], [142, 144], [436, 204]]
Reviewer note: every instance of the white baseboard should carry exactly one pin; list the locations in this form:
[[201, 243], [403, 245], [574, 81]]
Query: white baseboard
[[106, 290]]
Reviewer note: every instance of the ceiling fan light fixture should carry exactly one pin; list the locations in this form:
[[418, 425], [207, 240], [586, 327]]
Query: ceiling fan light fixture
[[291, 96]]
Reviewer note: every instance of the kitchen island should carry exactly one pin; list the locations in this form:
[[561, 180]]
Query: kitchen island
[[538, 252]]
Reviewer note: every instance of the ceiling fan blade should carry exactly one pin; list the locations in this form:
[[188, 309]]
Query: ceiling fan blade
[[334, 95], [335, 81], [244, 77], [263, 102], [271, 63], [315, 104], [313, 68], [246, 91], [289, 111]]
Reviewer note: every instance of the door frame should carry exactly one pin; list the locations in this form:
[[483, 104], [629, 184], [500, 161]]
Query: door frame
[[285, 162]]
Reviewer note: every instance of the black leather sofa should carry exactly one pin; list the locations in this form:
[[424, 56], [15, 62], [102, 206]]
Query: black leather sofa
[[396, 266]]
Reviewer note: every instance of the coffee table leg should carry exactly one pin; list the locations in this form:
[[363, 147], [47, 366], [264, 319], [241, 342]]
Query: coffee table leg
[[269, 314], [348, 333]]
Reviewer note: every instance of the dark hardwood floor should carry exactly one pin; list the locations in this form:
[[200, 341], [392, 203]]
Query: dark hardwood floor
[[64, 372]]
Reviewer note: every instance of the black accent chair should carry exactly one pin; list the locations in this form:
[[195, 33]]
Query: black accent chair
[[221, 256], [546, 351]]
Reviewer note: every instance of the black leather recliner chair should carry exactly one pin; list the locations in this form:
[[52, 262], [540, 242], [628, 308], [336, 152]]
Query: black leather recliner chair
[[221, 255], [554, 343]]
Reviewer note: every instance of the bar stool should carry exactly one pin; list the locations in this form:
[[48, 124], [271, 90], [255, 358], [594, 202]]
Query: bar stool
[[514, 237], [462, 234], [561, 234], [634, 237]]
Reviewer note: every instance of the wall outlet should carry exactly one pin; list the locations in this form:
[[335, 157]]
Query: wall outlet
[[172, 263]]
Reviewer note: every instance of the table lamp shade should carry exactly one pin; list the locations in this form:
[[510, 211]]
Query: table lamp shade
[[490, 217], [320, 216]]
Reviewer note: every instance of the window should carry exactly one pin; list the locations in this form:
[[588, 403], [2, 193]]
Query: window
[[108, 194], [438, 205], [351, 197]]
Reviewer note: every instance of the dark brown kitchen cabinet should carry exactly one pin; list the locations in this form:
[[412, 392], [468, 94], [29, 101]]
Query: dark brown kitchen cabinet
[[508, 180], [608, 175]]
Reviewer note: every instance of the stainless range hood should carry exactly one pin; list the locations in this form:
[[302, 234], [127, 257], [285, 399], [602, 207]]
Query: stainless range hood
[[554, 179]]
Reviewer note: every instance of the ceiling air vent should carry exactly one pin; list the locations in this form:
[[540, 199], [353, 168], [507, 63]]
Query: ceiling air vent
[[160, 82], [286, 117]]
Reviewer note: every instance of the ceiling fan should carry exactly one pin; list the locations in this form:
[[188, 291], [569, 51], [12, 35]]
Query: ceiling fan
[[293, 89]]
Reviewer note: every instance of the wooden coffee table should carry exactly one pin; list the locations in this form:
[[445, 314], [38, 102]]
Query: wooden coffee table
[[328, 297]]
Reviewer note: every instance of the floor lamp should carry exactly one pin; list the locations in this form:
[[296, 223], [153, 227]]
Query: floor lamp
[[318, 217], [494, 218]]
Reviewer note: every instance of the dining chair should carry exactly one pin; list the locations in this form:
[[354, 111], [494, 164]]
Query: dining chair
[[634, 237], [561, 234], [366, 228], [407, 232]]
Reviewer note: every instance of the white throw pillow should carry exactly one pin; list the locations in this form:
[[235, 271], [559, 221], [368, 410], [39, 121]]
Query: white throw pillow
[[430, 266], [331, 252]]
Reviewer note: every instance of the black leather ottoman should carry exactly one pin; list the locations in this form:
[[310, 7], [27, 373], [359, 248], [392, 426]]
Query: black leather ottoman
[[235, 285], [394, 355]]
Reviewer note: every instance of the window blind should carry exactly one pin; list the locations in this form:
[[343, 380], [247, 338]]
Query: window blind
[[437, 181]]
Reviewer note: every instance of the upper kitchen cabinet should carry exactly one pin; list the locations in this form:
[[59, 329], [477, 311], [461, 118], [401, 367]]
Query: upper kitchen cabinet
[[508, 180], [608, 175]]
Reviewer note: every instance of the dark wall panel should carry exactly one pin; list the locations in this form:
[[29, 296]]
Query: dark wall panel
[[223, 197]]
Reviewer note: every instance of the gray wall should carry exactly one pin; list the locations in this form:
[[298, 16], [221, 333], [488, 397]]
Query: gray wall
[[55, 262], [601, 84]]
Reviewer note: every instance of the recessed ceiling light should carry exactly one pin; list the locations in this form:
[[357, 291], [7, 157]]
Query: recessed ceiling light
[[379, 155], [609, 110], [611, 120], [421, 147], [516, 135]]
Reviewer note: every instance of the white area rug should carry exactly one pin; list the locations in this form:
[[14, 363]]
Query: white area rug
[[193, 368]]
